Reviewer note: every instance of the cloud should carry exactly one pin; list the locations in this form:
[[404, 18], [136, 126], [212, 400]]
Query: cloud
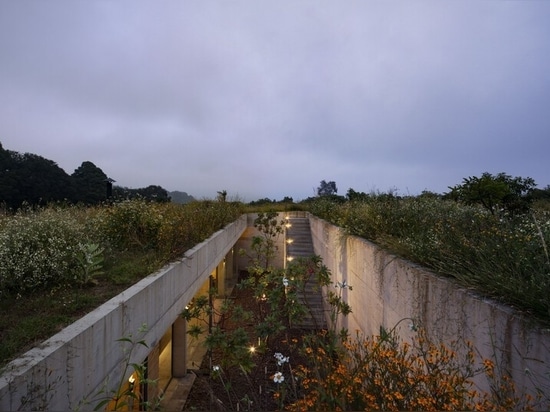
[[267, 99]]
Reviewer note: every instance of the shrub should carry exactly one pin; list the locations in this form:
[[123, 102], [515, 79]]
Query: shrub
[[503, 257], [133, 224], [385, 373], [40, 249]]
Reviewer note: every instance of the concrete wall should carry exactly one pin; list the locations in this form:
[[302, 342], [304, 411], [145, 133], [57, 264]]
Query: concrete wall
[[388, 291], [84, 358]]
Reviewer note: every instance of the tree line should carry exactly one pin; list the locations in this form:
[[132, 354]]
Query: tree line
[[30, 179], [499, 194]]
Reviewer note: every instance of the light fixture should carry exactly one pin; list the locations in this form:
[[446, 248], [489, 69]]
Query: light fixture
[[289, 259], [289, 241]]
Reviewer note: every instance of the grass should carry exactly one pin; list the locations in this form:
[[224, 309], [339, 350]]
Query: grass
[[137, 237], [27, 322], [503, 257]]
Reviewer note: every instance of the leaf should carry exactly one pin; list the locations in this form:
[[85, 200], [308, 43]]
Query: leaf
[[101, 404]]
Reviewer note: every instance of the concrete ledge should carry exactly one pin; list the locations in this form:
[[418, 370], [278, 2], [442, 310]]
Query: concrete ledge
[[177, 392]]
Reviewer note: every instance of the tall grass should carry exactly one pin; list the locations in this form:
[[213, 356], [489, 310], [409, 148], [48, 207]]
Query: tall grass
[[45, 269], [505, 257]]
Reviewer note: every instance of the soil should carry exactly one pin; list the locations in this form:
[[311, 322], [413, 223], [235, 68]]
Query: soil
[[255, 391]]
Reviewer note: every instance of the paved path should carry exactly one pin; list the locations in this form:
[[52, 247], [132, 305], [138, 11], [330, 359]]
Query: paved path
[[302, 246]]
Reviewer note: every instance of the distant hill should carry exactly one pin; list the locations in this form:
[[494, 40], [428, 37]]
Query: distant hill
[[180, 197]]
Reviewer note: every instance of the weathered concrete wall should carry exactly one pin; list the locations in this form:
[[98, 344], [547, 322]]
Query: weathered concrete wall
[[388, 290], [84, 358]]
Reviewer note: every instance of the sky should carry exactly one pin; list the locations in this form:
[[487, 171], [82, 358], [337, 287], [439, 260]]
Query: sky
[[264, 99]]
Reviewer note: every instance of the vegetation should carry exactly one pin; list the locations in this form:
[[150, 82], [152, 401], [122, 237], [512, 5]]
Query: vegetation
[[327, 188], [491, 233], [385, 373], [500, 194], [29, 179], [494, 246], [302, 370], [59, 262]]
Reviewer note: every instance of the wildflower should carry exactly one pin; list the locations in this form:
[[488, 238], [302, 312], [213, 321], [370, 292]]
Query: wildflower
[[343, 285], [216, 368], [281, 359], [278, 377], [285, 282]]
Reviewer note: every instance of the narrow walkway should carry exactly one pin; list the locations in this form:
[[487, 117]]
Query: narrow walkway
[[299, 233], [302, 246]]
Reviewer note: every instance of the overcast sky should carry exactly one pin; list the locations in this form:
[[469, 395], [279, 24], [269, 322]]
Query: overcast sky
[[268, 98]]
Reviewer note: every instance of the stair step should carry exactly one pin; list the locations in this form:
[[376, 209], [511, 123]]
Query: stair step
[[302, 246]]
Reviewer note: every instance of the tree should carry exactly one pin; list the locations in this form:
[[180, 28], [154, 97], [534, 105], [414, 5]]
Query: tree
[[90, 183], [151, 193], [32, 179], [327, 188], [354, 196], [222, 195], [154, 193], [498, 194]]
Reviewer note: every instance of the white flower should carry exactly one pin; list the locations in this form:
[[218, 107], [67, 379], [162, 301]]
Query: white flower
[[281, 359], [343, 285], [278, 377], [216, 368], [285, 282]]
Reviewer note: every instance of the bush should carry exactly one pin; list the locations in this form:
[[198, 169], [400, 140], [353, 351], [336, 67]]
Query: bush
[[385, 373], [503, 257], [133, 224], [40, 249]]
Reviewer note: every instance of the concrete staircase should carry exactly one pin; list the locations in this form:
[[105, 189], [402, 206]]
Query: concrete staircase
[[302, 246]]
